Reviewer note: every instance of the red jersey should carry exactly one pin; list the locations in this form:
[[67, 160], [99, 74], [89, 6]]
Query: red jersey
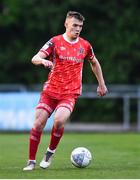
[[66, 76]]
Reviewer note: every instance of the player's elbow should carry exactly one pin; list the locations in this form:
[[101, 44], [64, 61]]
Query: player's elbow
[[33, 59]]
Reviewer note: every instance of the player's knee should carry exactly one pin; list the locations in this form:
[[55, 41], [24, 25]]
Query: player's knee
[[40, 120], [59, 120], [58, 124], [38, 125]]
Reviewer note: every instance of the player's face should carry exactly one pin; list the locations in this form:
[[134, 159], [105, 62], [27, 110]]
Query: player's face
[[73, 28]]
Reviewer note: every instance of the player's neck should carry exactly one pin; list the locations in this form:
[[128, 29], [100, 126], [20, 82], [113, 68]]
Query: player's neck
[[68, 39]]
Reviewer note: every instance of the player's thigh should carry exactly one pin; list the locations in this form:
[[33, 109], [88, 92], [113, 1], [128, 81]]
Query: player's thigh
[[41, 117], [61, 115]]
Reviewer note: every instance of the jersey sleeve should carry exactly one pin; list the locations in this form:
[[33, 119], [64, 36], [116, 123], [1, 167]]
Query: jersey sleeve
[[90, 53], [48, 47]]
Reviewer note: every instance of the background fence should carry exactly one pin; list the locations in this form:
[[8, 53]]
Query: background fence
[[17, 108]]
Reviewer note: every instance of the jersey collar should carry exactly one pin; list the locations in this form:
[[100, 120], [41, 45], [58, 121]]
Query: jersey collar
[[66, 39]]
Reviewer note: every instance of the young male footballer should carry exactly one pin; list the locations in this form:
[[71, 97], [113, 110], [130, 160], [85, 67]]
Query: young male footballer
[[65, 55]]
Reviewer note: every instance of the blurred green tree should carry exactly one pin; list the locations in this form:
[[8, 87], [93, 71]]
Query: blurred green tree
[[112, 27]]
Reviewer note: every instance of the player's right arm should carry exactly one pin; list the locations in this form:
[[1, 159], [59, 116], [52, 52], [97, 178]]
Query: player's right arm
[[39, 59]]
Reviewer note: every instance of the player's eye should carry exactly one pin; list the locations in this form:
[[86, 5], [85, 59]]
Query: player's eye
[[75, 25]]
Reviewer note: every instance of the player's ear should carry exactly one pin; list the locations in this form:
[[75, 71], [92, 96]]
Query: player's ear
[[65, 24]]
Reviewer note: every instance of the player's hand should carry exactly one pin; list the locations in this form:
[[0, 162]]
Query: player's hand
[[47, 64], [102, 90]]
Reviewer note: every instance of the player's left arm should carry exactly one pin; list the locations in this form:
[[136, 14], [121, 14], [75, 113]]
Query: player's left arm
[[97, 70]]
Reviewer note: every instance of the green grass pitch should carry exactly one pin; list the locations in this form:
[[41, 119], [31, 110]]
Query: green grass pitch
[[114, 156]]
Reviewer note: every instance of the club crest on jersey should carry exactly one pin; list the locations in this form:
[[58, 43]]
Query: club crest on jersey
[[81, 51]]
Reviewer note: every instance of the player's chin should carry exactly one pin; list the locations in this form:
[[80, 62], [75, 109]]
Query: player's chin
[[76, 35]]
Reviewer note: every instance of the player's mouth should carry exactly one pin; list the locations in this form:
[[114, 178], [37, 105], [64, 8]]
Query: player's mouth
[[77, 33]]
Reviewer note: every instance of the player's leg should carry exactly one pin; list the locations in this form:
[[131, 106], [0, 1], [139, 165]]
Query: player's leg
[[36, 132], [35, 136], [63, 112], [60, 117], [44, 109]]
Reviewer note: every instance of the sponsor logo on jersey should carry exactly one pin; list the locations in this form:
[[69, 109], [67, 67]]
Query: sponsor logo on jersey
[[70, 58]]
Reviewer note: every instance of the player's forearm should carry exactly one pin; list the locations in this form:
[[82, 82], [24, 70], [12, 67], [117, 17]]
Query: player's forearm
[[96, 68], [37, 60]]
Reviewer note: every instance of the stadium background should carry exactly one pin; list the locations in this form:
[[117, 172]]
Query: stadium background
[[112, 27]]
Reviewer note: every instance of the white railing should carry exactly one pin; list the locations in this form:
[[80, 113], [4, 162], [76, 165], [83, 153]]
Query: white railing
[[126, 92]]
